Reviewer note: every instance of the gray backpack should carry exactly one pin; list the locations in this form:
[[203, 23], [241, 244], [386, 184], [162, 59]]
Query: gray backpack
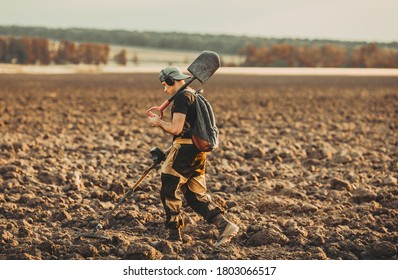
[[204, 131]]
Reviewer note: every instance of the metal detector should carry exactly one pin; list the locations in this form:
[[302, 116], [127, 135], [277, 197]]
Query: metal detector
[[157, 157]]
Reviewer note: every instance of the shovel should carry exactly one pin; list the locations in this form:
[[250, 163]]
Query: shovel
[[157, 157], [201, 69]]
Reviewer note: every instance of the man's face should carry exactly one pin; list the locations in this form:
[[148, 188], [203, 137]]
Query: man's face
[[170, 90]]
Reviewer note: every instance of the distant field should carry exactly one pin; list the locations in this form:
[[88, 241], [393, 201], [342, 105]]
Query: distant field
[[155, 68], [151, 57]]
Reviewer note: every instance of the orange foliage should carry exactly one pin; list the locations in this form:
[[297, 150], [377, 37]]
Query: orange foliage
[[121, 57], [284, 53], [372, 56], [308, 56], [333, 56], [324, 56], [66, 53], [28, 50]]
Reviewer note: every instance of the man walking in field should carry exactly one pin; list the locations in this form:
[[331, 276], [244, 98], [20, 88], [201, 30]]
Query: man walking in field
[[184, 167]]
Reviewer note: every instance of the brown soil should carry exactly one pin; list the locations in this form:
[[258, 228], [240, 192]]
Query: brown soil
[[307, 167]]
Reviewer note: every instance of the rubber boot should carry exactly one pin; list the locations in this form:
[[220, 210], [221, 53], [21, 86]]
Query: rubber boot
[[226, 228]]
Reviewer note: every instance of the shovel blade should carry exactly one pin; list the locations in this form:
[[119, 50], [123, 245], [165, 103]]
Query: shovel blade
[[204, 66]]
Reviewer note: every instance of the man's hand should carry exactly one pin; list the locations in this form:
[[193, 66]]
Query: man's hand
[[154, 121], [174, 127]]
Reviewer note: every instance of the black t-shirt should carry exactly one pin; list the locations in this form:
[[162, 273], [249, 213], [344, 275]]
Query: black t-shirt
[[184, 103]]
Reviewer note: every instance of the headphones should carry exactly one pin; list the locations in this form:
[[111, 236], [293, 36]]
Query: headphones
[[169, 80]]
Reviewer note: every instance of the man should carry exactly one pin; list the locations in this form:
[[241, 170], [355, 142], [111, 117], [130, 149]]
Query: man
[[184, 167]]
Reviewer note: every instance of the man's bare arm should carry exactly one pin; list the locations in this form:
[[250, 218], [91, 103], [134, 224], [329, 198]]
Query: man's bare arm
[[174, 127]]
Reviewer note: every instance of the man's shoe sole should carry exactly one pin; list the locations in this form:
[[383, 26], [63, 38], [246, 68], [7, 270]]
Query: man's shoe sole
[[230, 231]]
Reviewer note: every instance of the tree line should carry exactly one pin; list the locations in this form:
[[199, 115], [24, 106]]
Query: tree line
[[284, 55], [33, 50], [224, 44]]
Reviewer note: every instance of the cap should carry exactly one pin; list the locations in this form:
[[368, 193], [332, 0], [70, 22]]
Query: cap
[[172, 71]]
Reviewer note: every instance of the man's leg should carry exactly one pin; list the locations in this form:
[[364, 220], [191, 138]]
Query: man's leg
[[172, 203], [200, 201], [195, 193], [171, 182]]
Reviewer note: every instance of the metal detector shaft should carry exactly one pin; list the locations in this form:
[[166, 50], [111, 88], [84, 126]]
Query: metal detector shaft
[[128, 193]]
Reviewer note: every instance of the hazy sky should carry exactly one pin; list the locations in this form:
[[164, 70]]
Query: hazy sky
[[374, 20]]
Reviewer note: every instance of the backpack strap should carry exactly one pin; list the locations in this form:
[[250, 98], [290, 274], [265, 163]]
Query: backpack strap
[[194, 93], [191, 90]]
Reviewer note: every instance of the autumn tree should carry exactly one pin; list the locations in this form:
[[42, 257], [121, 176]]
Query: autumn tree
[[372, 56], [66, 53], [16, 51], [367, 56], [104, 53], [390, 58], [121, 58], [283, 55], [333, 56], [3, 50], [90, 53], [40, 49], [256, 56], [308, 56]]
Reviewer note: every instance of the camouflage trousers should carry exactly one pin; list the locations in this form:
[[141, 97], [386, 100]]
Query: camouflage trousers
[[184, 171]]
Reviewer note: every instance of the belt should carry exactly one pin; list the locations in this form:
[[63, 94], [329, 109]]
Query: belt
[[183, 141]]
